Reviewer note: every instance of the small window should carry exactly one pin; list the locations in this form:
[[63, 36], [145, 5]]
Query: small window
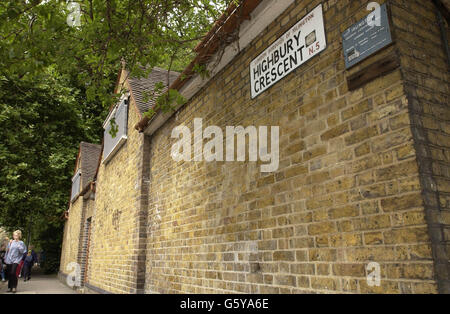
[[76, 181], [112, 144]]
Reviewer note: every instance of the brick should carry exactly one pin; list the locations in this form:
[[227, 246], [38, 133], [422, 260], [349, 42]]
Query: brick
[[366, 163], [390, 140], [313, 128], [313, 153], [373, 222], [319, 203], [321, 228], [284, 256], [405, 152], [284, 280], [356, 110], [323, 283], [294, 148], [349, 270], [340, 184], [296, 171], [323, 269], [396, 171], [322, 255], [356, 95], [362, 149], [319, 177], [373, 238], [386, 287], [342, 212], [361, 135], [305, 269], [335, 132], [410, 271], [394, 92], [401, 202], [406, 235], [424, 288], [380, 84], [399, 121], [346, 240]]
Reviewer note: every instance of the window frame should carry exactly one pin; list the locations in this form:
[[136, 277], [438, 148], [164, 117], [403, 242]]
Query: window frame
[[124, 101], [77, 175]]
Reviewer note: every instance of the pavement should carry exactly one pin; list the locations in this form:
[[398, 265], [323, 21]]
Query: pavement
[[39, 284]]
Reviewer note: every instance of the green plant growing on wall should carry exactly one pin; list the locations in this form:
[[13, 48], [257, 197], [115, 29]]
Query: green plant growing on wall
[[114, 127]]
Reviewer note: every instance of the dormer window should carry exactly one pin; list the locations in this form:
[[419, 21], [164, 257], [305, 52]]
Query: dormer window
[[113, 143], [76, 183]]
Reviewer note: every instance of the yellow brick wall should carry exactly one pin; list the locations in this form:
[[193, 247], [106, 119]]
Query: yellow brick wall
[[89, 207], [112, 258], [347, 191], [71, 239], [64, 248], [425, 69]]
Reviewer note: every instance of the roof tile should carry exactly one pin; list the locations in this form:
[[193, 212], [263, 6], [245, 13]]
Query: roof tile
[[89, 154], [141, 86]]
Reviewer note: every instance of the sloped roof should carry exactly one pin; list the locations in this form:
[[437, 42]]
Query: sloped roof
[[89, 154], [140, 87]]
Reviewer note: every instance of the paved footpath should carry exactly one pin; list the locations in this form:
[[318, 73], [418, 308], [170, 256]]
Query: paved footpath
[[39, 284]]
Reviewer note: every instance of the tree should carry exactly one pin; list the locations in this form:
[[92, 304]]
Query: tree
[[40, 128], [58, 66], [90, 38]]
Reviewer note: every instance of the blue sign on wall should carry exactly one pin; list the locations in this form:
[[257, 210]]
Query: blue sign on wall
[[366, 37]]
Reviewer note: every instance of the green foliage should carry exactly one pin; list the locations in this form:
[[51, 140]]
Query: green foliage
[[36, 34], [50, 239], [41, 127], [167, 100], [201, 70], [114, 127]]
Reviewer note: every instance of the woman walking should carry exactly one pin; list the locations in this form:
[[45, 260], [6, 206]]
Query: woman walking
[[14, 253], [30, 260], [3, 246]]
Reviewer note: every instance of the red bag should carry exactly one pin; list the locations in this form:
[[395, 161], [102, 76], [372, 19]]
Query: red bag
[[19, 268]]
